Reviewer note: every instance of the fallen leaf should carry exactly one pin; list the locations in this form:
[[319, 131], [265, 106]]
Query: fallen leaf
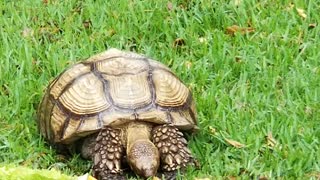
[[35, 62], [290, 7], [236, 29], [235, 143], [237, 2], [314, 174], [179, 42], [313, 25], [308, 110], [263, 178], [239, 105], [243, 171], [271, 142], [301, 13], [111, 32], [170, 6], [238, 59], [206, 178], [316, 70], [49, 30], [232, 178], [27, 32], [202, 40], [77, 9], [87, 24]]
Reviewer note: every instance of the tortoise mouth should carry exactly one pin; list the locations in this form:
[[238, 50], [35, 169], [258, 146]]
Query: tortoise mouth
[[148, 172], [143, 158]]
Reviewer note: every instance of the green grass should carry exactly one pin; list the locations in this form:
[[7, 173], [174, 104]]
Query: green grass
[[245, 86]]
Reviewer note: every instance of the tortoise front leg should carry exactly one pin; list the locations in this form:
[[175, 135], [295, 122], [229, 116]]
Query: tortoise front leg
[[108, 152], [174, 153]]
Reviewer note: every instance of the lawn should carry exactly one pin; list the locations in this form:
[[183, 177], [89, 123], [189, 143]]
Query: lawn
[[253, 68]]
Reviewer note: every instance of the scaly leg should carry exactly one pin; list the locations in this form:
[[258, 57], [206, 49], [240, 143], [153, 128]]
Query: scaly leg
[[108, 152], [174, 153]]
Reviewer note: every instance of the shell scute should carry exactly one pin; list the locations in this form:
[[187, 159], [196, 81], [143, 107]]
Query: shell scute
[[113, 88], [170, 92], [129, 91], [59, 84], [85, 96]]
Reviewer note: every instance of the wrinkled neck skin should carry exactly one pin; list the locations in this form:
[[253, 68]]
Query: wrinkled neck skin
[[143, 156]]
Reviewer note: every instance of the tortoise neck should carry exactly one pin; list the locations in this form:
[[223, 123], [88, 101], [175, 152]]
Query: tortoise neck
[[142, 155], [138, 131]]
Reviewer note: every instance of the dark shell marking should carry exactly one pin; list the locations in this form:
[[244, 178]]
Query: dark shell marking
[[96, 93]]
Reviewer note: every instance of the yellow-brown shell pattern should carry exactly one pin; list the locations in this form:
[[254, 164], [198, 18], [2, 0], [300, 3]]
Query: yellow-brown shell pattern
[[113, 88]]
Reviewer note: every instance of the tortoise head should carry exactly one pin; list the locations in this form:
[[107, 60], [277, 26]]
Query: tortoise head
[[143, 158]]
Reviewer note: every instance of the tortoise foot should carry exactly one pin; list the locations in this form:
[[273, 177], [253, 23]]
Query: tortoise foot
[[174, 153], [108, 152]]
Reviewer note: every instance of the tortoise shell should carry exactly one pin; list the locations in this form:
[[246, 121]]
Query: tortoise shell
[[113, 88]]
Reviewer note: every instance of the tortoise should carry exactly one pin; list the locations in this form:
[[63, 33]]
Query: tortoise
[[120, 108]]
